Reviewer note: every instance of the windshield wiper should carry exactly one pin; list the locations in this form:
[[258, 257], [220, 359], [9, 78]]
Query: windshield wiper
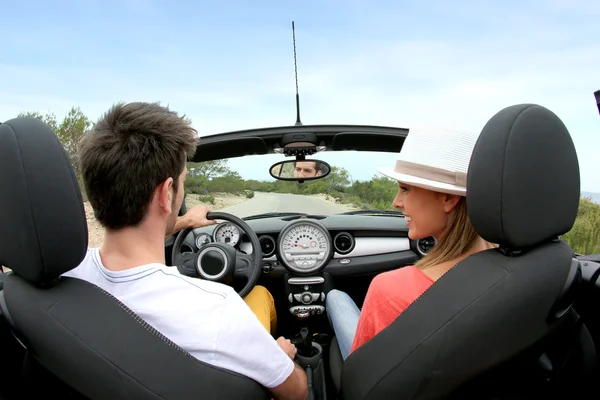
[[375, 212], [273, 214]]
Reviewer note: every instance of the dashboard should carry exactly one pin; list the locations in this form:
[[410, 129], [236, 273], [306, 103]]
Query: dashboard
[[337, 244]]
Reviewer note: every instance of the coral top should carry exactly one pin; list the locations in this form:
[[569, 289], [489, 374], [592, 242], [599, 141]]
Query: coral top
[[389, 294]]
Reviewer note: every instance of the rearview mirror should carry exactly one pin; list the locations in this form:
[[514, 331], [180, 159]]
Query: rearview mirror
[[305, 170]]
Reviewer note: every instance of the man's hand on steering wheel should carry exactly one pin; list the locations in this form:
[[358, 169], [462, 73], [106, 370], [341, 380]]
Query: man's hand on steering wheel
[[194, 218]]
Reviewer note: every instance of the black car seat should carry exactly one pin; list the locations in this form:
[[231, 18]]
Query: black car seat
[[75, 330], [502, 306]]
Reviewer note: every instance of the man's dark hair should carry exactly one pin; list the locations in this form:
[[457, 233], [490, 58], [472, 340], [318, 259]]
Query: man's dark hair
[[317, 165], [127, 154]]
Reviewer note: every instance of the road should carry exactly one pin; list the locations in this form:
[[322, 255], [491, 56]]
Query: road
[[278, 202]]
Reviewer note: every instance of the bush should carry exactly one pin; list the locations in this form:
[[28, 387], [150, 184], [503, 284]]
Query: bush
[[584, 236], [196, 185], [207, 199], [249, 194]]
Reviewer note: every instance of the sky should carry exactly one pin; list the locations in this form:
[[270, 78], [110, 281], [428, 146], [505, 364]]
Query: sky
[[229, 65]]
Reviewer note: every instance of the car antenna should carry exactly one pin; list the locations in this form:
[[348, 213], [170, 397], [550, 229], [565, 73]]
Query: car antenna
[[298, 122]]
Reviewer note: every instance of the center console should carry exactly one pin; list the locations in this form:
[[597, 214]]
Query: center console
[[306, 295], [304, 248]]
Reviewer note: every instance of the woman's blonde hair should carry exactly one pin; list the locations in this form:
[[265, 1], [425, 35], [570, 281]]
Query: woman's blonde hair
[[458, 237]]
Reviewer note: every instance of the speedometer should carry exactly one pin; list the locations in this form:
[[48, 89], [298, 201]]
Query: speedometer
[[305, 246], [227, 233]]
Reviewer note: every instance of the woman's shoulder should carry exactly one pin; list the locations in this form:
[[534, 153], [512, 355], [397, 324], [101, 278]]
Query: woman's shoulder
[[403, 278], [409, 270]]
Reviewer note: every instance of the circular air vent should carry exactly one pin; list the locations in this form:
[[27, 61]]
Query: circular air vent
[[267, 245], [343, 243], [425, 245]]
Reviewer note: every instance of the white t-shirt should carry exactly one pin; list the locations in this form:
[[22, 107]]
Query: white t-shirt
[[207, 319]]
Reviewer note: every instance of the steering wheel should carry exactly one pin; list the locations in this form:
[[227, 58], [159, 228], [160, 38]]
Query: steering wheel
[[220, 262]]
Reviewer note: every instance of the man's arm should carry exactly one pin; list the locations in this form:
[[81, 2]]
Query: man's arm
[[194, 218], [244, 346], [296, 384], [295, 387], [182, 222]]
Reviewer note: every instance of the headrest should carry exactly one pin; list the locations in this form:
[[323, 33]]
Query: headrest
[[523, 183], [43, 228]]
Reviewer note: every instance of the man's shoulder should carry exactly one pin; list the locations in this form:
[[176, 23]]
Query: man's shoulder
[[85, 266], [166, 280]]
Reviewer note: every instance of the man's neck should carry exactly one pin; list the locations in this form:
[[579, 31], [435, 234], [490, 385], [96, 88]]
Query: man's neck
[[131, 247]]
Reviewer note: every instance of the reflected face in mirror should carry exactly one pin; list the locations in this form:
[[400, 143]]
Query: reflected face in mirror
[[306, 169], [300, 170]]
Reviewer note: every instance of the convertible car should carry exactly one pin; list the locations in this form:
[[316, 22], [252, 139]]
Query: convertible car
[[517, 321]]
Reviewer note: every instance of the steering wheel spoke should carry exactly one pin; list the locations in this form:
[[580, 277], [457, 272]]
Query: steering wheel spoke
[[187, 259], [187, 265], [243, 266]]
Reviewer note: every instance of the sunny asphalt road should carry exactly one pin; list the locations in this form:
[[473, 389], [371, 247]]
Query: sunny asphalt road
[[277, 202]]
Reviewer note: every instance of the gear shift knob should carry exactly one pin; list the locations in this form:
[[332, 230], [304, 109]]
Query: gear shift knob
[[309, 351], [305, 345], [304, 334]]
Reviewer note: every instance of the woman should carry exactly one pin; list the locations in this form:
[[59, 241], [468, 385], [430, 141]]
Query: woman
[[431, 171]]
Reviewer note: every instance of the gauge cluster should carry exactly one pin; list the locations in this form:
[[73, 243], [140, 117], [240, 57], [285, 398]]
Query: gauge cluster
[[305, 246], [226, 233]]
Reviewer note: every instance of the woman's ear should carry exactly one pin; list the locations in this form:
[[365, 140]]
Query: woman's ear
[[450, 201]]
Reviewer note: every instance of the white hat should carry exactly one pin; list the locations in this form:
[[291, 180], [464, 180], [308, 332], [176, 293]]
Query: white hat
[[435, 159]]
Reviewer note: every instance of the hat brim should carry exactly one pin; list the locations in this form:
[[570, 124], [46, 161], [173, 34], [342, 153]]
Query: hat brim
[[423, 183]]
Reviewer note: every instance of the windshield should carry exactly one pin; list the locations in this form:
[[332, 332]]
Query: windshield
[[243, 186]]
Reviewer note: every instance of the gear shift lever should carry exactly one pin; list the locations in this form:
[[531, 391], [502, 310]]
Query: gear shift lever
[[309, 354], [305, 347]]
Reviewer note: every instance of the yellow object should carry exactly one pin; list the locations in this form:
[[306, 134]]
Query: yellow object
[[262, 305]]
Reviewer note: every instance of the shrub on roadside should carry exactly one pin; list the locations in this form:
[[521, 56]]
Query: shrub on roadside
[[584, 236], [207, 199]]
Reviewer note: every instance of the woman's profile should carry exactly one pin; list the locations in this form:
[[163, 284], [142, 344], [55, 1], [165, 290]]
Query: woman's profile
[[431, 171]]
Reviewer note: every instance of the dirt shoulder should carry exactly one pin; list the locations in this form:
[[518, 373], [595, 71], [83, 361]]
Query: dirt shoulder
[[95, 230], [222, 200]]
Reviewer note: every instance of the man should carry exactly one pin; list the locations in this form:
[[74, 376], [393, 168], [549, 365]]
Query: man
[[133, 165], [306, 169]]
